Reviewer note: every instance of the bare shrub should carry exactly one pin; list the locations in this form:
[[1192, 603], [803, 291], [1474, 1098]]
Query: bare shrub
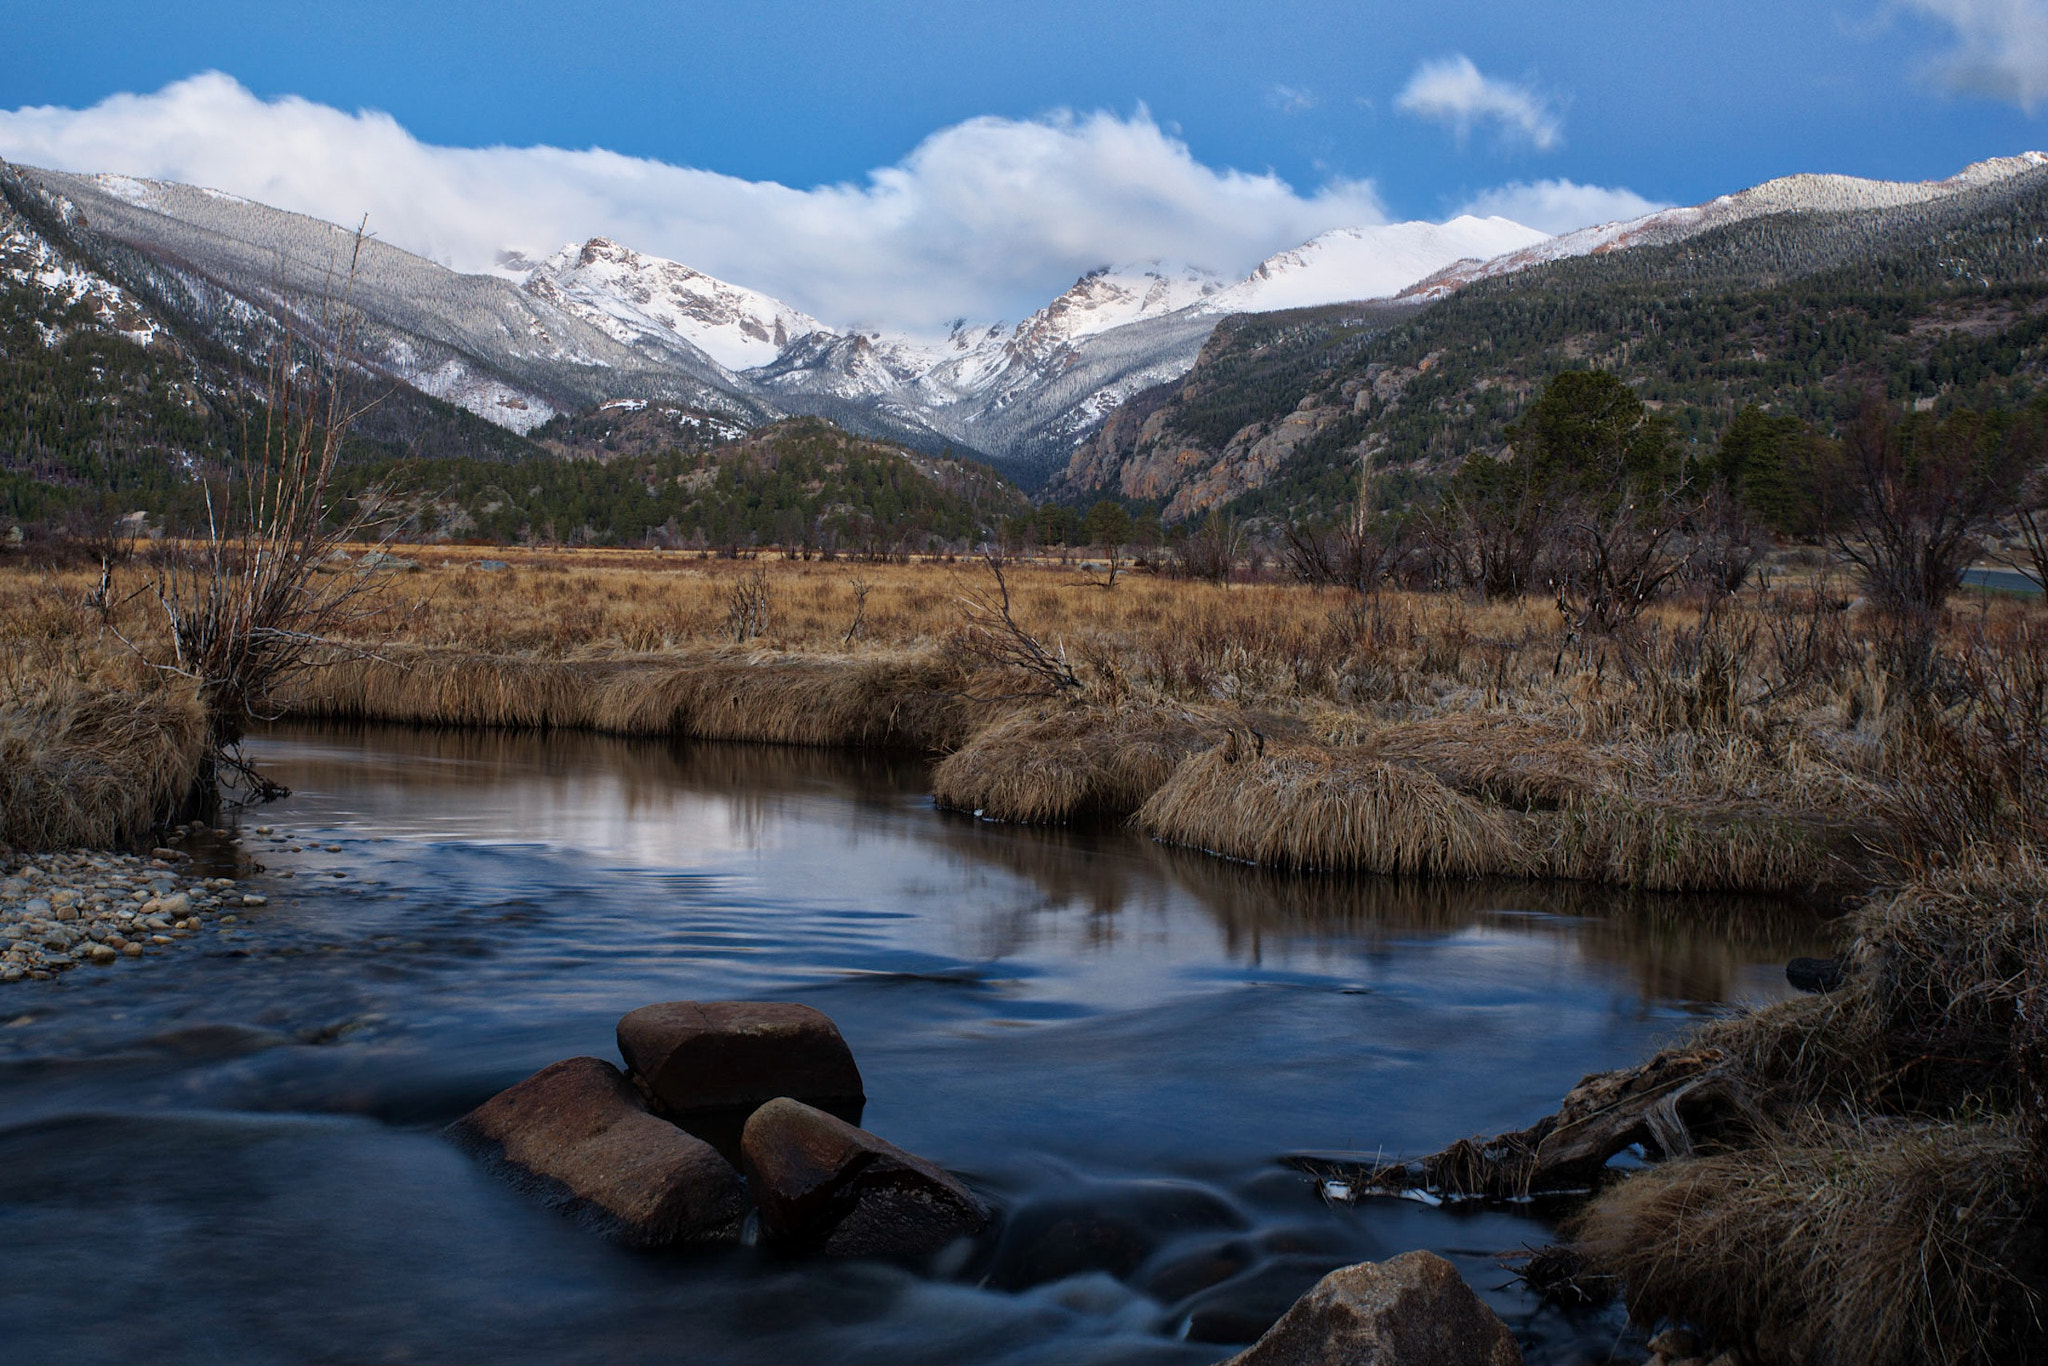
[[252, 602], [1615, 562], [1927, 490], [1726, 545], [1360, 555], [991, 636], [747, 606], [861, 588], [1211, 551]]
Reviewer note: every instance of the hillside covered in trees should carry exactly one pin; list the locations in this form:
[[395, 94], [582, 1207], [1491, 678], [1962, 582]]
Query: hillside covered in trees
[[799, 483], [94, 425], [1801, 315]]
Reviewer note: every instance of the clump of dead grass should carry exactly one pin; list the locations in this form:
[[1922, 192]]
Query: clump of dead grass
[[1680, 846], [1892, 1206], [908, 700], [1297, 806], [1053, 764], [95, 749], [1840, 1245]]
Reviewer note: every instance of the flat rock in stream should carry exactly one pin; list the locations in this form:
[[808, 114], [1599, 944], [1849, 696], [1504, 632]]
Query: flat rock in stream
[[727, 1057], [581, 1134], [823, 1185], [1412, 1310]]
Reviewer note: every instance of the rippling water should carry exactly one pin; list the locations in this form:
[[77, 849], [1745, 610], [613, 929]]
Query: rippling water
[[230, 1152]]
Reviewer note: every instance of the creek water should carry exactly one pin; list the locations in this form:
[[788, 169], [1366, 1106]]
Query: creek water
[[230, 1151]]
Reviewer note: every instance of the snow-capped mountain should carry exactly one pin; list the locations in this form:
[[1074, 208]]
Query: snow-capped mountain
[[600, 321], [1787, 194], [225, 266], [637, 298]]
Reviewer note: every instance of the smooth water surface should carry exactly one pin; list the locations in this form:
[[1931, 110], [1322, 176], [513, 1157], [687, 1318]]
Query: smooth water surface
[[230, 1151]]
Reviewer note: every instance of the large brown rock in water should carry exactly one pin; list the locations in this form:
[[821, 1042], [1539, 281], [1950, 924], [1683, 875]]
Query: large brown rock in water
[[822, 1185], [579, 1134], [1412, 1310], [697, 1057]]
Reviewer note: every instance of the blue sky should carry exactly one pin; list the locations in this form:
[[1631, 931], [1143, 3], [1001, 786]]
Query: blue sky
[[1401, 110]]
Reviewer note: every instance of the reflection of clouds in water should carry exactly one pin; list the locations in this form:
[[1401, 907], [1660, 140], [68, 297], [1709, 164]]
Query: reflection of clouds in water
[[841, 847]]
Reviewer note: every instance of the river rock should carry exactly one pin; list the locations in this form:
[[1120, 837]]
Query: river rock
[[1412, 1310], [697, 1057], [1817, 974], [823, 1185], [581, 1134], [1108, 1226]]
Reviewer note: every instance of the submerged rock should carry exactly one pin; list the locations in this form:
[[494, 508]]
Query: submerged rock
[[1412, 1310], [711, 1057], [580, 1134], [1113, 1227], [823, 1185], [1817, 974]]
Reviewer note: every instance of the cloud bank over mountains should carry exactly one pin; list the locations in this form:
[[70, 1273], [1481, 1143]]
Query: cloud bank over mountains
[[985, 218]]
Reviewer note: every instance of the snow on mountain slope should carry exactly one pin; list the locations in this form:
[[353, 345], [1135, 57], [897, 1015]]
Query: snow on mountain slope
[[480, 341], [1112, 297], [28, 258], [1787, 194], [635, 297], [1378, 262]]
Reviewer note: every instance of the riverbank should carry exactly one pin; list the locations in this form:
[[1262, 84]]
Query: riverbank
[[64, 911], [1743, 748], [1786, 741]]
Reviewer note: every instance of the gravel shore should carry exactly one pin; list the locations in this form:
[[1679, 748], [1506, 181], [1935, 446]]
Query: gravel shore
[[61, 911]]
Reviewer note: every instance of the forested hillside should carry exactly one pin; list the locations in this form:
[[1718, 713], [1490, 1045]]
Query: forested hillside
[[797, 483], [1945, 304]]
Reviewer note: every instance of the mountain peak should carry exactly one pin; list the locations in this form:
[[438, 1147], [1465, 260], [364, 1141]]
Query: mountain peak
[[645, 300]]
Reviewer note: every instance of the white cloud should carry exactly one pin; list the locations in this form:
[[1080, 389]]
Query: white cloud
[[987, 217], [1556, 206], [1453, 92], [2001, 48]]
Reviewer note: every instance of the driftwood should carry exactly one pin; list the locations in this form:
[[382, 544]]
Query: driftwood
[[1672, 1105]]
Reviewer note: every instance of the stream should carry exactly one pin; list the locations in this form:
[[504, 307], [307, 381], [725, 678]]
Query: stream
[[230, 1151]]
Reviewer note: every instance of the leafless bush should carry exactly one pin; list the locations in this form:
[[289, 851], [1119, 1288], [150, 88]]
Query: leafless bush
[[1495, 528], [1614, 564], [1805, 636], [1211, 551], [252, 603], [1361, 555], [747, 605], [1725, 545], [861, 588], [1927, 491], [992, 636]]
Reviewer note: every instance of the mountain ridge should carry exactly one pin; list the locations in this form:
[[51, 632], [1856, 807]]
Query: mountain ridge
[[598, 322]]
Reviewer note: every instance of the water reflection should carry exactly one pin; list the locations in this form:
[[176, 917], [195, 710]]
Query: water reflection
[[1074, 1019]]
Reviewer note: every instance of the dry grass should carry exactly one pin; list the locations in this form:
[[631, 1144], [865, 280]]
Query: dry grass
[[1057, 763], [713, 693], [1840, 1246], [94, 750], [1326, 810], [1893, 1205]]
